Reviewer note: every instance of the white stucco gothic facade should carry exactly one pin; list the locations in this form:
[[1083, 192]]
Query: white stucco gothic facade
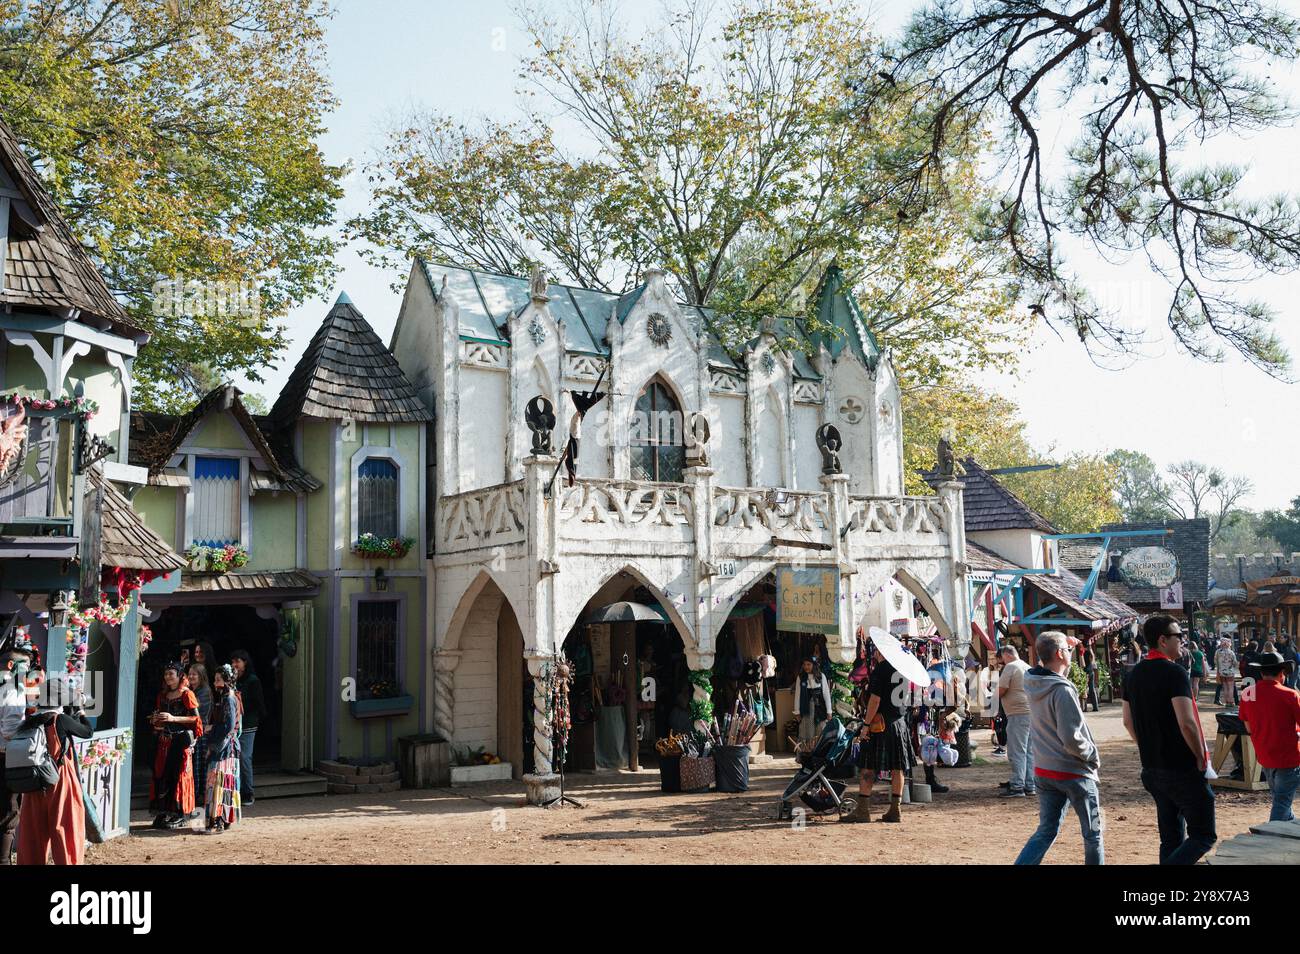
[[519, 554]]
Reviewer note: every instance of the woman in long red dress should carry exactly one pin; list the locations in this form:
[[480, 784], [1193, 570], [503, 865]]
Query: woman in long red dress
[[52, 822], [177, 724]]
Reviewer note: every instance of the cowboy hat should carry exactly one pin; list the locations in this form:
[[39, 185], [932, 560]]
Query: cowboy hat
[[1271, 661]]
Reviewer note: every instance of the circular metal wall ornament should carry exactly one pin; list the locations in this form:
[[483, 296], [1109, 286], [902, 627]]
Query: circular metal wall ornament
[[659, 330], [852, 409]]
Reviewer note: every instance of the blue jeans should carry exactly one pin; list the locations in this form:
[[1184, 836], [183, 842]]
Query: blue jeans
[[1053, 797], [1184, 814], [1020, 753], [1282, 783], [246, 739]]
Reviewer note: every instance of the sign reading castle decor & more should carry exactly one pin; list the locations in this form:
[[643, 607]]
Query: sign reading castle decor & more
[[807, 601], [1153, 567]]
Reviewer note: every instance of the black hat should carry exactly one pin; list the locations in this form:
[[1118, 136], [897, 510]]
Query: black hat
[[1270, 661]]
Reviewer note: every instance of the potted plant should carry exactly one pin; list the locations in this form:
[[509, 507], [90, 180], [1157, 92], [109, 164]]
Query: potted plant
[[477, 765], [223, 559], [371, 547]]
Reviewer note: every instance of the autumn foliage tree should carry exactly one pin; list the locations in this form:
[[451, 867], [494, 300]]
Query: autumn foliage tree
[[178, 138], [1077, 496], [720, 147]]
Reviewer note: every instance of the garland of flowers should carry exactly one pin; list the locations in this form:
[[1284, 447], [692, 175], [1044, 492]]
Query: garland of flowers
[[105, 612], [106, 751], [394, 548], [203, 559], [82, 405]]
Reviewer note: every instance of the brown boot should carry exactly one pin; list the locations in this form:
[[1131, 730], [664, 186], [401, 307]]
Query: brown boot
[[893, 815], [862, 813]]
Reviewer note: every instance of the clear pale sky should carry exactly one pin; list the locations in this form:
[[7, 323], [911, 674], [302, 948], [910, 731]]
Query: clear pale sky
[[389, 55]]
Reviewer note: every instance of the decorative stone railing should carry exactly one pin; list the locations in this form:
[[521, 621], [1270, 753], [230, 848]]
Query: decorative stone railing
[[626, 503], [666, 512], [489, 516], [774, 511], [903, 515]]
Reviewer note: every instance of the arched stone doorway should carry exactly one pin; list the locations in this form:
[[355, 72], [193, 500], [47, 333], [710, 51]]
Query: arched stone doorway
[[482, 677], [750, 631], [630, 678]]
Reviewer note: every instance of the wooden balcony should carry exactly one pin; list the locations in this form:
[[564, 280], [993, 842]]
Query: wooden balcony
[[40, 508]]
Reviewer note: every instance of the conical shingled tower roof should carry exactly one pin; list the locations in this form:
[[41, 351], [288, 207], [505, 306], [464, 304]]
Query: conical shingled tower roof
[[348, 373], [44, 264]]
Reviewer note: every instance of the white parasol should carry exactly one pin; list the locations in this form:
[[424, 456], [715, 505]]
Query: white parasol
[[907, 665]]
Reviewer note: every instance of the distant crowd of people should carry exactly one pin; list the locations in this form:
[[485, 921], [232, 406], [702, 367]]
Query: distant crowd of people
[[205, 722]]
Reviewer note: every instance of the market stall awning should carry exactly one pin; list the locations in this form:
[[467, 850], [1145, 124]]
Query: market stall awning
[[1062, 588], [1065, 590], [257, 587]]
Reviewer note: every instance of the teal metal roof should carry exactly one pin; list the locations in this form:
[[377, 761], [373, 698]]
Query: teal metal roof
[[837, 307], [486, 301]]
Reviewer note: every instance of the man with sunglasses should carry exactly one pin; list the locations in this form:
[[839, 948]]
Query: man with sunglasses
[[1160, 716]]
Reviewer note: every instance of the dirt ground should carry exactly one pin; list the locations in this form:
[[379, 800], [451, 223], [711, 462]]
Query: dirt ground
[[626, 819]]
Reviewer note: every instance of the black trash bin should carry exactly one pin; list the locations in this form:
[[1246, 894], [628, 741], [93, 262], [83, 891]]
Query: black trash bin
[[731, 767], [670, 773]]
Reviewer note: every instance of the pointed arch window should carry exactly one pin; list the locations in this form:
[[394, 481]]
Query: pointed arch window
[[658, 449]]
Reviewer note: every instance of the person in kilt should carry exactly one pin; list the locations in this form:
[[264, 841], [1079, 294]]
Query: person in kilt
[[886, 742]]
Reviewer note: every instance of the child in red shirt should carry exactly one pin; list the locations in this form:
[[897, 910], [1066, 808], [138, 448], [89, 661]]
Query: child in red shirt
[[1271, 712]]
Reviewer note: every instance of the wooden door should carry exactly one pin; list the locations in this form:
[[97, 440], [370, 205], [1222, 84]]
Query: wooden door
[[510, 690]]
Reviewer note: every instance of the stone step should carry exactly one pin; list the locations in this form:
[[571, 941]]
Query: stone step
[[268, 785]]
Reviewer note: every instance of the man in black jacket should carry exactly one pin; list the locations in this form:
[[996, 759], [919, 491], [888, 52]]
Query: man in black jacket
[[250, 693]]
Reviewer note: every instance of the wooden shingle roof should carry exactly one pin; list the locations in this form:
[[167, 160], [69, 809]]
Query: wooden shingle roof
[[126, 541], [1065, 589], [990, 506], [249, 581], [347, 373], [156, 437], [44, 265]]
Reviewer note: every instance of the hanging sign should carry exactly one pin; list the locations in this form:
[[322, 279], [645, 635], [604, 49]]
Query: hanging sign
[[1171, 597], [1153, 567], [807, 601]]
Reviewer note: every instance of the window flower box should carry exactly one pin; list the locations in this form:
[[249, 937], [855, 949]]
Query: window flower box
[[216, 559], [370, 547], [380, 708]]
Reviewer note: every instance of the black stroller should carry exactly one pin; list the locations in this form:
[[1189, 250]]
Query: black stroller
[[815, 783]]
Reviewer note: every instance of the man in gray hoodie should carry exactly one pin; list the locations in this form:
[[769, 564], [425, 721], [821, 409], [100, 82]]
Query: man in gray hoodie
[[1065, 757]]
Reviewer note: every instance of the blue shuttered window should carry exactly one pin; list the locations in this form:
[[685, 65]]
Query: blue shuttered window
[[216, 501], [377, 498]]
